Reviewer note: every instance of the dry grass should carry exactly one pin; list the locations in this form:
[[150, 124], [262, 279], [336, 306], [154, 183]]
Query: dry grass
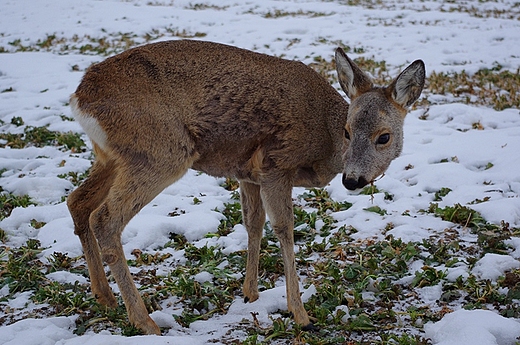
[[493, 87]]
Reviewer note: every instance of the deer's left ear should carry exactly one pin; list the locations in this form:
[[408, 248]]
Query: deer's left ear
[[407, 87]]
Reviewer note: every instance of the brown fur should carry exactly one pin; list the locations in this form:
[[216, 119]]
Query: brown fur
[[155, 111]]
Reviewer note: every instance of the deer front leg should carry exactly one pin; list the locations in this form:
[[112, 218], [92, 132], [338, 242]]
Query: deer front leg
[[276, 197], [253, 217]]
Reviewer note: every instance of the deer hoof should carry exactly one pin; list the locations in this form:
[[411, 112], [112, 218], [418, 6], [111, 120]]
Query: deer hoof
[[310, 327], [250, 298], [108, 299], [150, 328]]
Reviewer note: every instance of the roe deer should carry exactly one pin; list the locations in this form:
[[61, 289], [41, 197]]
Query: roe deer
[[155, 111]]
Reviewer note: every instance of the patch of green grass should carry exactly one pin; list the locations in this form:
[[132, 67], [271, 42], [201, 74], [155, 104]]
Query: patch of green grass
[[200, 299], [230, 184], [458, 214], [17, 121], [177, 241], [376, 209], [403, 339], [233, 216], [60, 262], [42, 136], [22, 271], [65, 299], [302, 217], [370, 190], [428, 276], [281, 13], [491, 238], [98, 317], [320, 199], [441, 193], [71, 141], [203, 6], [105, 45], [441, 252], [488, 86], [9, 201], [357, 289], [145, 259], [348, 273], [511, 12], [74, 177], [3, 235], [37, 224]]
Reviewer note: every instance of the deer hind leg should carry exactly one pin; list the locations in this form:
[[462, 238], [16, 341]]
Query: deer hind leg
[[276, 197], [133, 188], [253, 215], [82, 202]]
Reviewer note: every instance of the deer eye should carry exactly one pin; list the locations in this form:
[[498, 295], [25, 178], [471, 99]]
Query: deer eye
[[347, 136], [383, 138]]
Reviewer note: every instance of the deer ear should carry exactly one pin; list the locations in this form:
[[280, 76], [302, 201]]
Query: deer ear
[[407, 87], [351, 78]]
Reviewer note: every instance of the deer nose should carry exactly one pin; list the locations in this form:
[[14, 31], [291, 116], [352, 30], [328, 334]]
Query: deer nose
[[352, 183]]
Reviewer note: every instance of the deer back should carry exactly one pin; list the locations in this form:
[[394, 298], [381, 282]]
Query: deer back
[[240, 113]]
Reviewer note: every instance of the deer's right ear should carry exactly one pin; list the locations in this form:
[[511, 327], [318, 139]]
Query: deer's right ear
[[351, 78]]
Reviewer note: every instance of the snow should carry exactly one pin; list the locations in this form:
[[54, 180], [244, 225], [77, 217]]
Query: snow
[[38, 332], [492, 266], [464, 327], [430, 294], [398, 33]]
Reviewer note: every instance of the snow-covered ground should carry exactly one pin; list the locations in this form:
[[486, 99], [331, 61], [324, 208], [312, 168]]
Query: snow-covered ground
[[443, 148]]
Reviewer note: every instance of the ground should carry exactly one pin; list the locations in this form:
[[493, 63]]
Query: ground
[[428, 255]]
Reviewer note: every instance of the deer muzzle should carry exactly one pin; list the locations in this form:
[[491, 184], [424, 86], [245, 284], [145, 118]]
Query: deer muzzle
[[352, 183]]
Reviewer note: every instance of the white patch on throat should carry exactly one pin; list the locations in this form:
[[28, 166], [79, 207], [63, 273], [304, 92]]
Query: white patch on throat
[[89, 124]]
